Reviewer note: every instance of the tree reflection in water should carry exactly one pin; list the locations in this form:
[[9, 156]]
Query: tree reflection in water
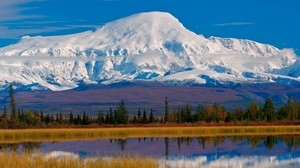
[[28, 147], [291, 141]]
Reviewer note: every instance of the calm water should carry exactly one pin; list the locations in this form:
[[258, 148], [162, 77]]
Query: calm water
[[250, 151]]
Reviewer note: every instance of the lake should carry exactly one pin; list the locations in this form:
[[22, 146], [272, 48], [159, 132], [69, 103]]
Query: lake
[[230, 151]]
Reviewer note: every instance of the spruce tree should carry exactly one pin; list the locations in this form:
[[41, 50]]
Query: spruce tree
[[269, 110], [79, 121], [41, 117], [60, 117], [13, 107], [189, 116], [151, 117], [107, 119], [166, 117], [57, 117], [100, 118], [71, 118], [145, 119], [5, 116], [111, 116], [121, 113], [139, 116], [84, 118], [47, 119], [134, 119]]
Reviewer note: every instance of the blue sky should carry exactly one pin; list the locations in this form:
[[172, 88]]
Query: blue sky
[[275, 22]]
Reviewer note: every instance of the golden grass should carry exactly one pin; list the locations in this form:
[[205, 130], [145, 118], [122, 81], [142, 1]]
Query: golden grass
[[39, 135], [14, 160]]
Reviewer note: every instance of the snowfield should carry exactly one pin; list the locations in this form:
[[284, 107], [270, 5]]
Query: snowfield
[[152, 46]]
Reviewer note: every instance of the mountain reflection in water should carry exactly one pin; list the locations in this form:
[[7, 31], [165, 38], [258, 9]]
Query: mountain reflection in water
[[249, 151]]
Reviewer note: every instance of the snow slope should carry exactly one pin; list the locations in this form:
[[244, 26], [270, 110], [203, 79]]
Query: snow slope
[[145, 46]]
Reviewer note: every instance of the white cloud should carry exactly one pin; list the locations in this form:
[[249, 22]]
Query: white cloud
[[16, 33], [13, 24], [234, 24], [12, 10]]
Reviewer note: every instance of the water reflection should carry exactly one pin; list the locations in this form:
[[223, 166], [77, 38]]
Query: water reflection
[[170, 147], [28, 147], [233, 151]]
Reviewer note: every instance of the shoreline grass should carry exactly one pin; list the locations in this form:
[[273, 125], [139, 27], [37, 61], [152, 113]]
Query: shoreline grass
[[68, 134], [25, 160]]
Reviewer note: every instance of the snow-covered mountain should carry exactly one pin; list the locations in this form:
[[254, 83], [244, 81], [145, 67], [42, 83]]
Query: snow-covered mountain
[[145, 46]]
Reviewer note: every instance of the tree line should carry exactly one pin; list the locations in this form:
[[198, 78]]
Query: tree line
[[14, 118]]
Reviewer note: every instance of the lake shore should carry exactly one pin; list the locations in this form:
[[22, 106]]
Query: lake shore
[[27, 160], [67, 134]]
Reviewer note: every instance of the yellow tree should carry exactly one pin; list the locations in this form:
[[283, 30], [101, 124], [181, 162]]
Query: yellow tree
[[253, 111]]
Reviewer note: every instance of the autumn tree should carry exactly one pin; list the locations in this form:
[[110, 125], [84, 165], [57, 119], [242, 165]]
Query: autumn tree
[[290, 110], [220, 113], [237, 115], [253, 112], [208, 113]]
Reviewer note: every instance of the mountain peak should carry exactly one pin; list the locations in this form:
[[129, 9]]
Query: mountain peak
[[151, 27], [152, 18], [147, 46]]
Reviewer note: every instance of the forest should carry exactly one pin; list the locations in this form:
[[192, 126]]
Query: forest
[[12, 117]]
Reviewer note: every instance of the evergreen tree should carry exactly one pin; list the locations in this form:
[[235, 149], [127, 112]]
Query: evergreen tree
[[139, 116], [13, 107], [166, 117], [41, 116], [47, 119], [199, 116], [115, 121], [60, 117], [19, 114], [100, 118], [269, 110], [87, 120], [112, 119], [121, 113], [79, 120], [134, 120], [71, 118], [151, 117], [107, 119], [52, 118], [237, 115], [188, 116], [84, 118], [178, 116], [290, 110], [145, 119], [57, 117], [5, 116]]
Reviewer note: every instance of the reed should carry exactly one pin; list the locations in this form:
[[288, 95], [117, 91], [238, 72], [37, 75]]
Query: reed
[[14, 160], [40, 135]]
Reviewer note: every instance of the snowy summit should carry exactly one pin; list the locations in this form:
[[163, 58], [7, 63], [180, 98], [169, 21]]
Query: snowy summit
[[152, 46]]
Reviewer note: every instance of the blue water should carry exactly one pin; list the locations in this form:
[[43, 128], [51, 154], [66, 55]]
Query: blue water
[[264, 151]]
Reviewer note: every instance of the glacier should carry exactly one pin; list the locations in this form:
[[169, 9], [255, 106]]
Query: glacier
[[150, 46]]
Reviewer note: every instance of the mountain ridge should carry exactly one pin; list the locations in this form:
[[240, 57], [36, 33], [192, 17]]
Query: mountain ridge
[[152, 46]]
